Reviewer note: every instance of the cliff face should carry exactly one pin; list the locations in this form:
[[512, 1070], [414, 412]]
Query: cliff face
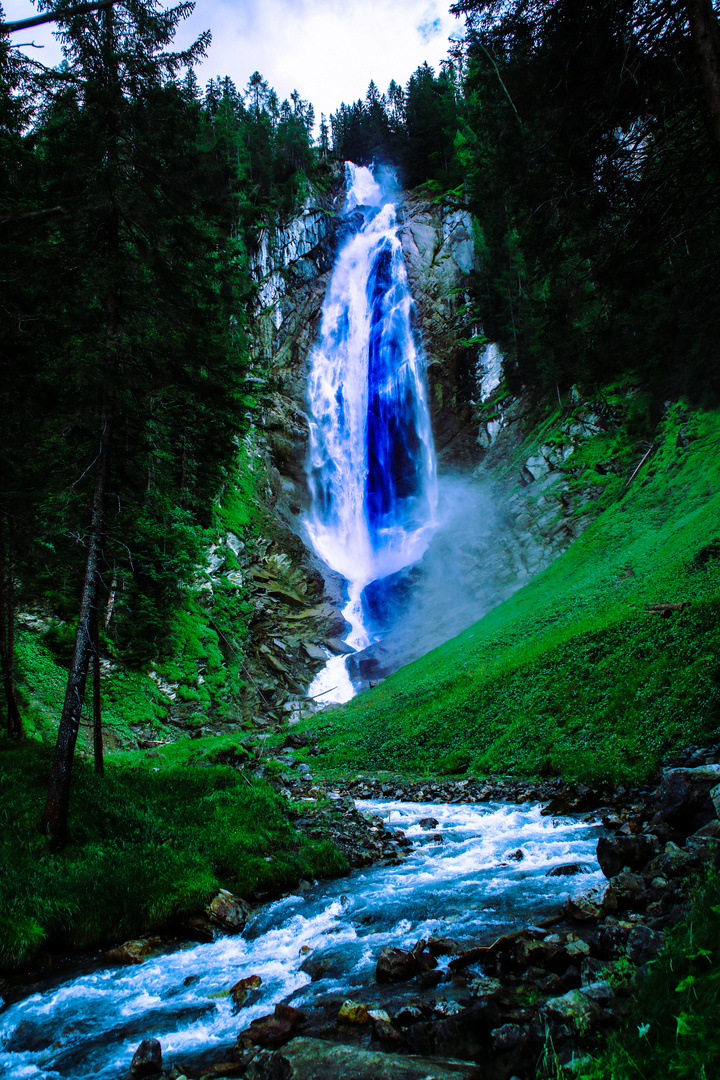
[[505, 498]]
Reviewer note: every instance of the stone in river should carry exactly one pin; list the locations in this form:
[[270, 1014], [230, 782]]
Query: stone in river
[[312, 1059], [147, 1060], [396, 965], [428, 823], [566, 870], [228, 912], [353, 1012], [133, 952], [240, 991]]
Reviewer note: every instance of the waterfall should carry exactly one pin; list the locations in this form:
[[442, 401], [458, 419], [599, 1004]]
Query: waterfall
[[371, 472]]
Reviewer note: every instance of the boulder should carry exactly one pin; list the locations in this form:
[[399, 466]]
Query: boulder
[[566, 870], [228, 912], [614, 853], [133, 952], [584, 909], [684, 800], [575, 1010], [396, 965], [622, 890], [311, 1059], [243, 988], [644, 944], [147, 1060], [353, 1012]]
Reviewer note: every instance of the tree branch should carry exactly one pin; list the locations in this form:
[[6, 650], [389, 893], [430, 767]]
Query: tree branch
[[53, 16]]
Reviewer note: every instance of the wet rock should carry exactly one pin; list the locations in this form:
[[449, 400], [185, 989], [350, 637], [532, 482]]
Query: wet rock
[[268, 1031], [622, 890], [353, 1012], [409, 1014], [228, 912], [508, 1037], [428, 823], [567, 870], [242, 989], [439, 946], [575, 1010], [312, 1059], [147, 1060], [396, 965], [614, 853], [385, 1032], [644, 944], [133, 952], [430, 979], [584, 909], [684, 798]]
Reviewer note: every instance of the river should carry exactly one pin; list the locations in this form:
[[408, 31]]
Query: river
[[481, 870]]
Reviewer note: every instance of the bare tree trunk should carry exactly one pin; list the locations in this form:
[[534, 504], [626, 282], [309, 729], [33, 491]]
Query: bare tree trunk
[[111, 599], [58, 800], [97, 706], [7, 640], [705, 34]]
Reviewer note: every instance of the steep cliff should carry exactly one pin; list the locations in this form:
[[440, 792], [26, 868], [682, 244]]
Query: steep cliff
[[508, 497]]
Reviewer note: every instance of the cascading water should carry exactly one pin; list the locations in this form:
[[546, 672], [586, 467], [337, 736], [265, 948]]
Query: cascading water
[[372, 462], [311, 947]]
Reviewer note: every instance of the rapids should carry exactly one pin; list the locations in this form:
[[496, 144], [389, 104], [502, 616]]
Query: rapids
[[315, 945]]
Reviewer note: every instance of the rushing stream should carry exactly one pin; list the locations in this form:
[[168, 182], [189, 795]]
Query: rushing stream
[[323, 943]]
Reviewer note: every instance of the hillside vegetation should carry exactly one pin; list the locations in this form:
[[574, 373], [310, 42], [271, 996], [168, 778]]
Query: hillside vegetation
[[573, 675]]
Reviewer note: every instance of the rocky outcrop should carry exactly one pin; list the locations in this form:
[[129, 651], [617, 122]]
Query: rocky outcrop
[[309, 1059], [439, 252]]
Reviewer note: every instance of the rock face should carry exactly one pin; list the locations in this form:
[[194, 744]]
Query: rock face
[[310, 1059], [511, 518]]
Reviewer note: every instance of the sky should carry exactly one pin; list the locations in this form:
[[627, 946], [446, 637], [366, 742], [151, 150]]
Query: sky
[[328, 50]]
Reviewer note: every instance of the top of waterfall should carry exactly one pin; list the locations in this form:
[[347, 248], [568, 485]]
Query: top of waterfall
[[362, 188]]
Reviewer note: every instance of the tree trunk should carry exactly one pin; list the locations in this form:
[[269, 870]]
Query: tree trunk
[[97, 706], [58, 800], [7, 641], [705, 34]]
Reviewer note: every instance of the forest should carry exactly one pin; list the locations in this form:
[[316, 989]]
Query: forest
[[584, 140]]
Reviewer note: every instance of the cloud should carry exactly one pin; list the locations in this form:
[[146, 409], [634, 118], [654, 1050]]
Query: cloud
[[429, 30], [328, 50]]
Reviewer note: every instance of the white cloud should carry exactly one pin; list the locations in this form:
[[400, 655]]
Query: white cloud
[[328, 50]]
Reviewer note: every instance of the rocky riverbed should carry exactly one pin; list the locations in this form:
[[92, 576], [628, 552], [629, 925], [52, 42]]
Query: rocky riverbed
[[443, 1005]]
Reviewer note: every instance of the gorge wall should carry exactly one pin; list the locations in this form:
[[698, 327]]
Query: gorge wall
[[506, 504]]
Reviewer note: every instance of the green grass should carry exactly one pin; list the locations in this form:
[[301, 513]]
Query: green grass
[[671, 1029], [154, 839], [572, 675]]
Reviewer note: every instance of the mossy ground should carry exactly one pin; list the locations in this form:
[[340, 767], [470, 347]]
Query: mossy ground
[[572, 674], [152, 839]]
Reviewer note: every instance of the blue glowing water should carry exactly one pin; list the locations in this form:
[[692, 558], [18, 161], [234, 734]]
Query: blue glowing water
[[372, 473]]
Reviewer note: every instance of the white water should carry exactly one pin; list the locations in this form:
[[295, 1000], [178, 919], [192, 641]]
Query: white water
[[465, 887], [372, 472]]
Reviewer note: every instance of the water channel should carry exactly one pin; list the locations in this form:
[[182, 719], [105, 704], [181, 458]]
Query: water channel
[[481, 870]]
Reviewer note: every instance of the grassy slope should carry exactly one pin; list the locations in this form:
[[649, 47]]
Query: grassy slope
[[155, 838], [572, 674]]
